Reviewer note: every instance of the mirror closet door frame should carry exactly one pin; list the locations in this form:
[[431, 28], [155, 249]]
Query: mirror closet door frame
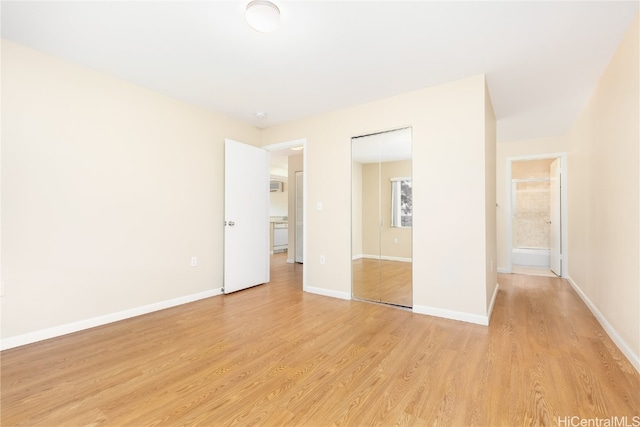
[[381, 268]]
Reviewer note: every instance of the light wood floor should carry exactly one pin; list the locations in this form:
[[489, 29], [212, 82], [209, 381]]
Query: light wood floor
[[273, 355], [382, 281]]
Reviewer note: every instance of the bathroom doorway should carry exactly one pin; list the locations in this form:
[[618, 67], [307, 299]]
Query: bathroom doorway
[[537, 221]]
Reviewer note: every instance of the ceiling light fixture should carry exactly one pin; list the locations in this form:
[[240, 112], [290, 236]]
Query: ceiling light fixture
[[262, 15], [261, 115], [298, 148]]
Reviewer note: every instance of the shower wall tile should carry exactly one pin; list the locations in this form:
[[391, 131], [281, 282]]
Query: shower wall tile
[[531, 227]]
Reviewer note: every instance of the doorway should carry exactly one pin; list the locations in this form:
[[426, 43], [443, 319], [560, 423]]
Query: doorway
[[536, 220], [287, 214]]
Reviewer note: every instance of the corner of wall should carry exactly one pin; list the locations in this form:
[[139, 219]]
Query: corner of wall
[[490, 201]]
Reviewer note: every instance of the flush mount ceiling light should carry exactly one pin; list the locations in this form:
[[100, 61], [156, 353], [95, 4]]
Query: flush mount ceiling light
[[262, 15]]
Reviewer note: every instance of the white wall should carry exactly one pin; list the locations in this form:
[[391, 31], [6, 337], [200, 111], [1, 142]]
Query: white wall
[[450, 246], [604, 197], [108, 190]]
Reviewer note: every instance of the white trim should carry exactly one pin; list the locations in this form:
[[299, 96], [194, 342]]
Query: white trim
[[503, 271], [610, 330], [493, 300], [290, 261], [383, 257], [81, 325], [452, 315], [395, 258], [327, 292]]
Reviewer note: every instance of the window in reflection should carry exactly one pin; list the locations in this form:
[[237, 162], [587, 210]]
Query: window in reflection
[[401, 202]]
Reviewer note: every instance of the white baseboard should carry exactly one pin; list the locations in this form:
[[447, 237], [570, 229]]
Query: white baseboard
[[613, 334], [503, 270], [458, 315], [80, 325], [327, 292], [384, 257], [453, 315], [290, 261], [493, 300], [395, 258]]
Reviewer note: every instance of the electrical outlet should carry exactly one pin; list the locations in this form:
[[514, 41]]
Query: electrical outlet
[[194, 261], [395, 240], [321, 259]]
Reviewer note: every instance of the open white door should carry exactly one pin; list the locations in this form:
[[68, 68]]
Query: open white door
[[555, 232], [246, 216]]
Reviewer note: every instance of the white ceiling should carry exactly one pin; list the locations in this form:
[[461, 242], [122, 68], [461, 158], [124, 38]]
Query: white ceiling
[[542, 58]]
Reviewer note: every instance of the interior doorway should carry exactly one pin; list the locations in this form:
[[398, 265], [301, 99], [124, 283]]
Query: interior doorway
[[537, 220], [287, 214]]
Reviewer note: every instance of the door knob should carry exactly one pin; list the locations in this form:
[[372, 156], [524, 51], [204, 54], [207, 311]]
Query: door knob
[[231, 223]]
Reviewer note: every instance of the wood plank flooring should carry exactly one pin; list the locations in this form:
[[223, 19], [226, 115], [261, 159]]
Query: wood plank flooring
[[275, 356], [382, 281]]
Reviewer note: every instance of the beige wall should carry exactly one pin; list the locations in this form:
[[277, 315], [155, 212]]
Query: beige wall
[[490, 259], [370, 210], [108, 190], [450, 248], [528, 169], [295, 164], [604, 195], [356, 209], [376, 199], [515, 149]]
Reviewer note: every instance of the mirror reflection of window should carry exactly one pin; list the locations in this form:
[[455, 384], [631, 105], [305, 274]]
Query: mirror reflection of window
[[401, 202]]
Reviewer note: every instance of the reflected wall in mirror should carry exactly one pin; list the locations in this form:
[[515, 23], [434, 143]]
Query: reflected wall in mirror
[[382, 217]]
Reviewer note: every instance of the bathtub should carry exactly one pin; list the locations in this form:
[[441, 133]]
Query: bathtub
[[531, 257]]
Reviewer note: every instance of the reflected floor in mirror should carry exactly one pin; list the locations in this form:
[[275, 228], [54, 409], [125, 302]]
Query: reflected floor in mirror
[[383, 281]]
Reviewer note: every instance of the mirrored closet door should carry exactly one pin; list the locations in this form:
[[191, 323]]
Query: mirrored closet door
[[381, 218]]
